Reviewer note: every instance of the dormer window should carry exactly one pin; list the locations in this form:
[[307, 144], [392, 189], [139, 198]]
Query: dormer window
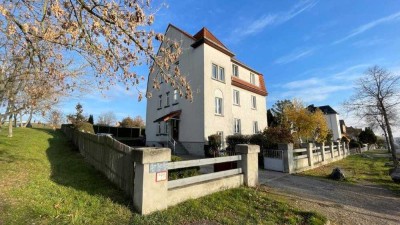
[[235, 70], [252, 78]]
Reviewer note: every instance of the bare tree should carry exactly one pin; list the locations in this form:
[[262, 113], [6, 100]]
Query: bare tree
[[377, 94], [107, 118], [54, 118]]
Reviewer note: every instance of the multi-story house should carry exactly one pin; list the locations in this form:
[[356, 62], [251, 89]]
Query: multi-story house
[[229, 97], [332, 120]]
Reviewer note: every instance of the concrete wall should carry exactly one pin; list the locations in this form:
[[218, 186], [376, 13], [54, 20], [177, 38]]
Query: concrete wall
[[107, 155]]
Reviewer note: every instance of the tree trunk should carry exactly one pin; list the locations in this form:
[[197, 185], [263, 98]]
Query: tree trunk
[[391, 139], [28, 121], [20, 120], [386, 138], [10, 129]]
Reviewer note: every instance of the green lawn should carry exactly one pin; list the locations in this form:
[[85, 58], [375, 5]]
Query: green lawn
[[43, 180], [361, 169]]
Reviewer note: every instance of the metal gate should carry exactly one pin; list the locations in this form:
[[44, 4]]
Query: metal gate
[[273, 160]]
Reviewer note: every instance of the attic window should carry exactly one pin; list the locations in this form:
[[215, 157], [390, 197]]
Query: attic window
[[235, 70], [252, 78]]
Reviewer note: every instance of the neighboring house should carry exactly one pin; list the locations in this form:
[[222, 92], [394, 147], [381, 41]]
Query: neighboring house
[[353, 132], [332, 119], [229, 97]]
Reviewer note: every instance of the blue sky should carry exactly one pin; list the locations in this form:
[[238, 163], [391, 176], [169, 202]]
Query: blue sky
[[312, 50]]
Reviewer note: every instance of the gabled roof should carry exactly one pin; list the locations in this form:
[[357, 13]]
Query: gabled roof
[[205, 33], [326, 109]]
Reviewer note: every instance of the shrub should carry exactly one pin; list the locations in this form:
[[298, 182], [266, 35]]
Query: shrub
[[354, 144], [84, 127], [183, 172], [233, 140], [258, 139], [214, 141], [277, 135]]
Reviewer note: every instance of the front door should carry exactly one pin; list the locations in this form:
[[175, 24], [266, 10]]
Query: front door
[[175, 130]]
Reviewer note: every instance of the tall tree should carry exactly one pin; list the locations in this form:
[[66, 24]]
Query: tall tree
[[91, 120], [377, 93], [277, 111], [367, 136], [54, 118], [107, 119]]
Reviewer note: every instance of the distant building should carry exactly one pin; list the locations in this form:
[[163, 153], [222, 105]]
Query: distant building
[[332, 119], [352, 132], [229, 97]]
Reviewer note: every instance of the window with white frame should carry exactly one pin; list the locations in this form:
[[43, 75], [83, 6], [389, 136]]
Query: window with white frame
[[218, 72], [236, 97], [160, 101], [252, 78], [167, 99], [218, 105], [176, 95], [237, 126], [214, 71], [255, 127], [253, 102], [235, 70]]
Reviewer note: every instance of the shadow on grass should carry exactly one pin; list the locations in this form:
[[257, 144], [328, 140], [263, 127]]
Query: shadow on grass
[[69, 168]]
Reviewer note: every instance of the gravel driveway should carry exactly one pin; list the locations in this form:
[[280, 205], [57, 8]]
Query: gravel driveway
[[341, 203]]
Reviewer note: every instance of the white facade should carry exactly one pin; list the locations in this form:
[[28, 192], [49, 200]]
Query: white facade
[[333, 123], [213, 109]]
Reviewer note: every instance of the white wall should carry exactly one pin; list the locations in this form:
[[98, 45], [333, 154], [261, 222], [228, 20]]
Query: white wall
[[333, 123]]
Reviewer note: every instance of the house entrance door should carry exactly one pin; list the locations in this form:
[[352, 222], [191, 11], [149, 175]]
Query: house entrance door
[[175, 130]]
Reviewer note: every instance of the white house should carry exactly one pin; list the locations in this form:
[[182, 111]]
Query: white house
[[332, 119], [229, 97]]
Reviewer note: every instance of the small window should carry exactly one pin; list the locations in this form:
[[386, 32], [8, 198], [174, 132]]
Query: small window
[[236, 127], [252, 78], [255, 127], [176, 95], [214, 71], [167, 99], [236, 97], [253, 102], [218, 106], [166, 128], [221, 74], [235, 70], [160, 79], [160, 101], [159, 128]]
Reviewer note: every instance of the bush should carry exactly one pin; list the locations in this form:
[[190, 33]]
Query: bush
[[233, 140], [214, 141], [277, 135], [84, 127], [183, 172], [354, 144], [258, 139]]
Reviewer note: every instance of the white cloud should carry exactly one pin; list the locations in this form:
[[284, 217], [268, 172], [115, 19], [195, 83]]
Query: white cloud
[[370, 25], [266, 20], [293, 56], [368, 42]]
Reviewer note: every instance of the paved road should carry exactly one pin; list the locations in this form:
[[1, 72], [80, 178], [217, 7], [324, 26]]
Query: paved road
[[341, 203]]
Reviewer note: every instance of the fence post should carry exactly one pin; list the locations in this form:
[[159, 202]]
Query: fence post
[[249, 163], [287, 157], [332, 156], [323, 151], [344, 148], [338, 147], [310, 154], [150, 186]]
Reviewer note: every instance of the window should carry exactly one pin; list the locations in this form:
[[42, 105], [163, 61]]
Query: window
[[252, 78], [166, 128], [214, 71], [176, 95], [160, 79], [255, 127], [221, 74], [236, 127], [218, 106], [160, 101], [159, 128], [167, 99], [253, 102], [236, 98], [218, 73], [235, 70]]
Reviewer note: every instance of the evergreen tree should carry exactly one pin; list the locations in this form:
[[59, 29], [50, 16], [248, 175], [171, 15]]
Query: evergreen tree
[[91, 120]]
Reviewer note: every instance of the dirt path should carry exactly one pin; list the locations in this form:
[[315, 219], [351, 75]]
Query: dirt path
[[341, 203]]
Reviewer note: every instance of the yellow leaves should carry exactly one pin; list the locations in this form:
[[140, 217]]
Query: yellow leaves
[[306, 125]]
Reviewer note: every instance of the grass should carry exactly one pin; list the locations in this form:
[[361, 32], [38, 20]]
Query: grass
[[43, 180], [361, 169]]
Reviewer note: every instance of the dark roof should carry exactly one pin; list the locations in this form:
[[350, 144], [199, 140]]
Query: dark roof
[[326, 109]]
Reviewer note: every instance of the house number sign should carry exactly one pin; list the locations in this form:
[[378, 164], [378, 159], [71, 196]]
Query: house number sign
[[161, 176], [158, 167]]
